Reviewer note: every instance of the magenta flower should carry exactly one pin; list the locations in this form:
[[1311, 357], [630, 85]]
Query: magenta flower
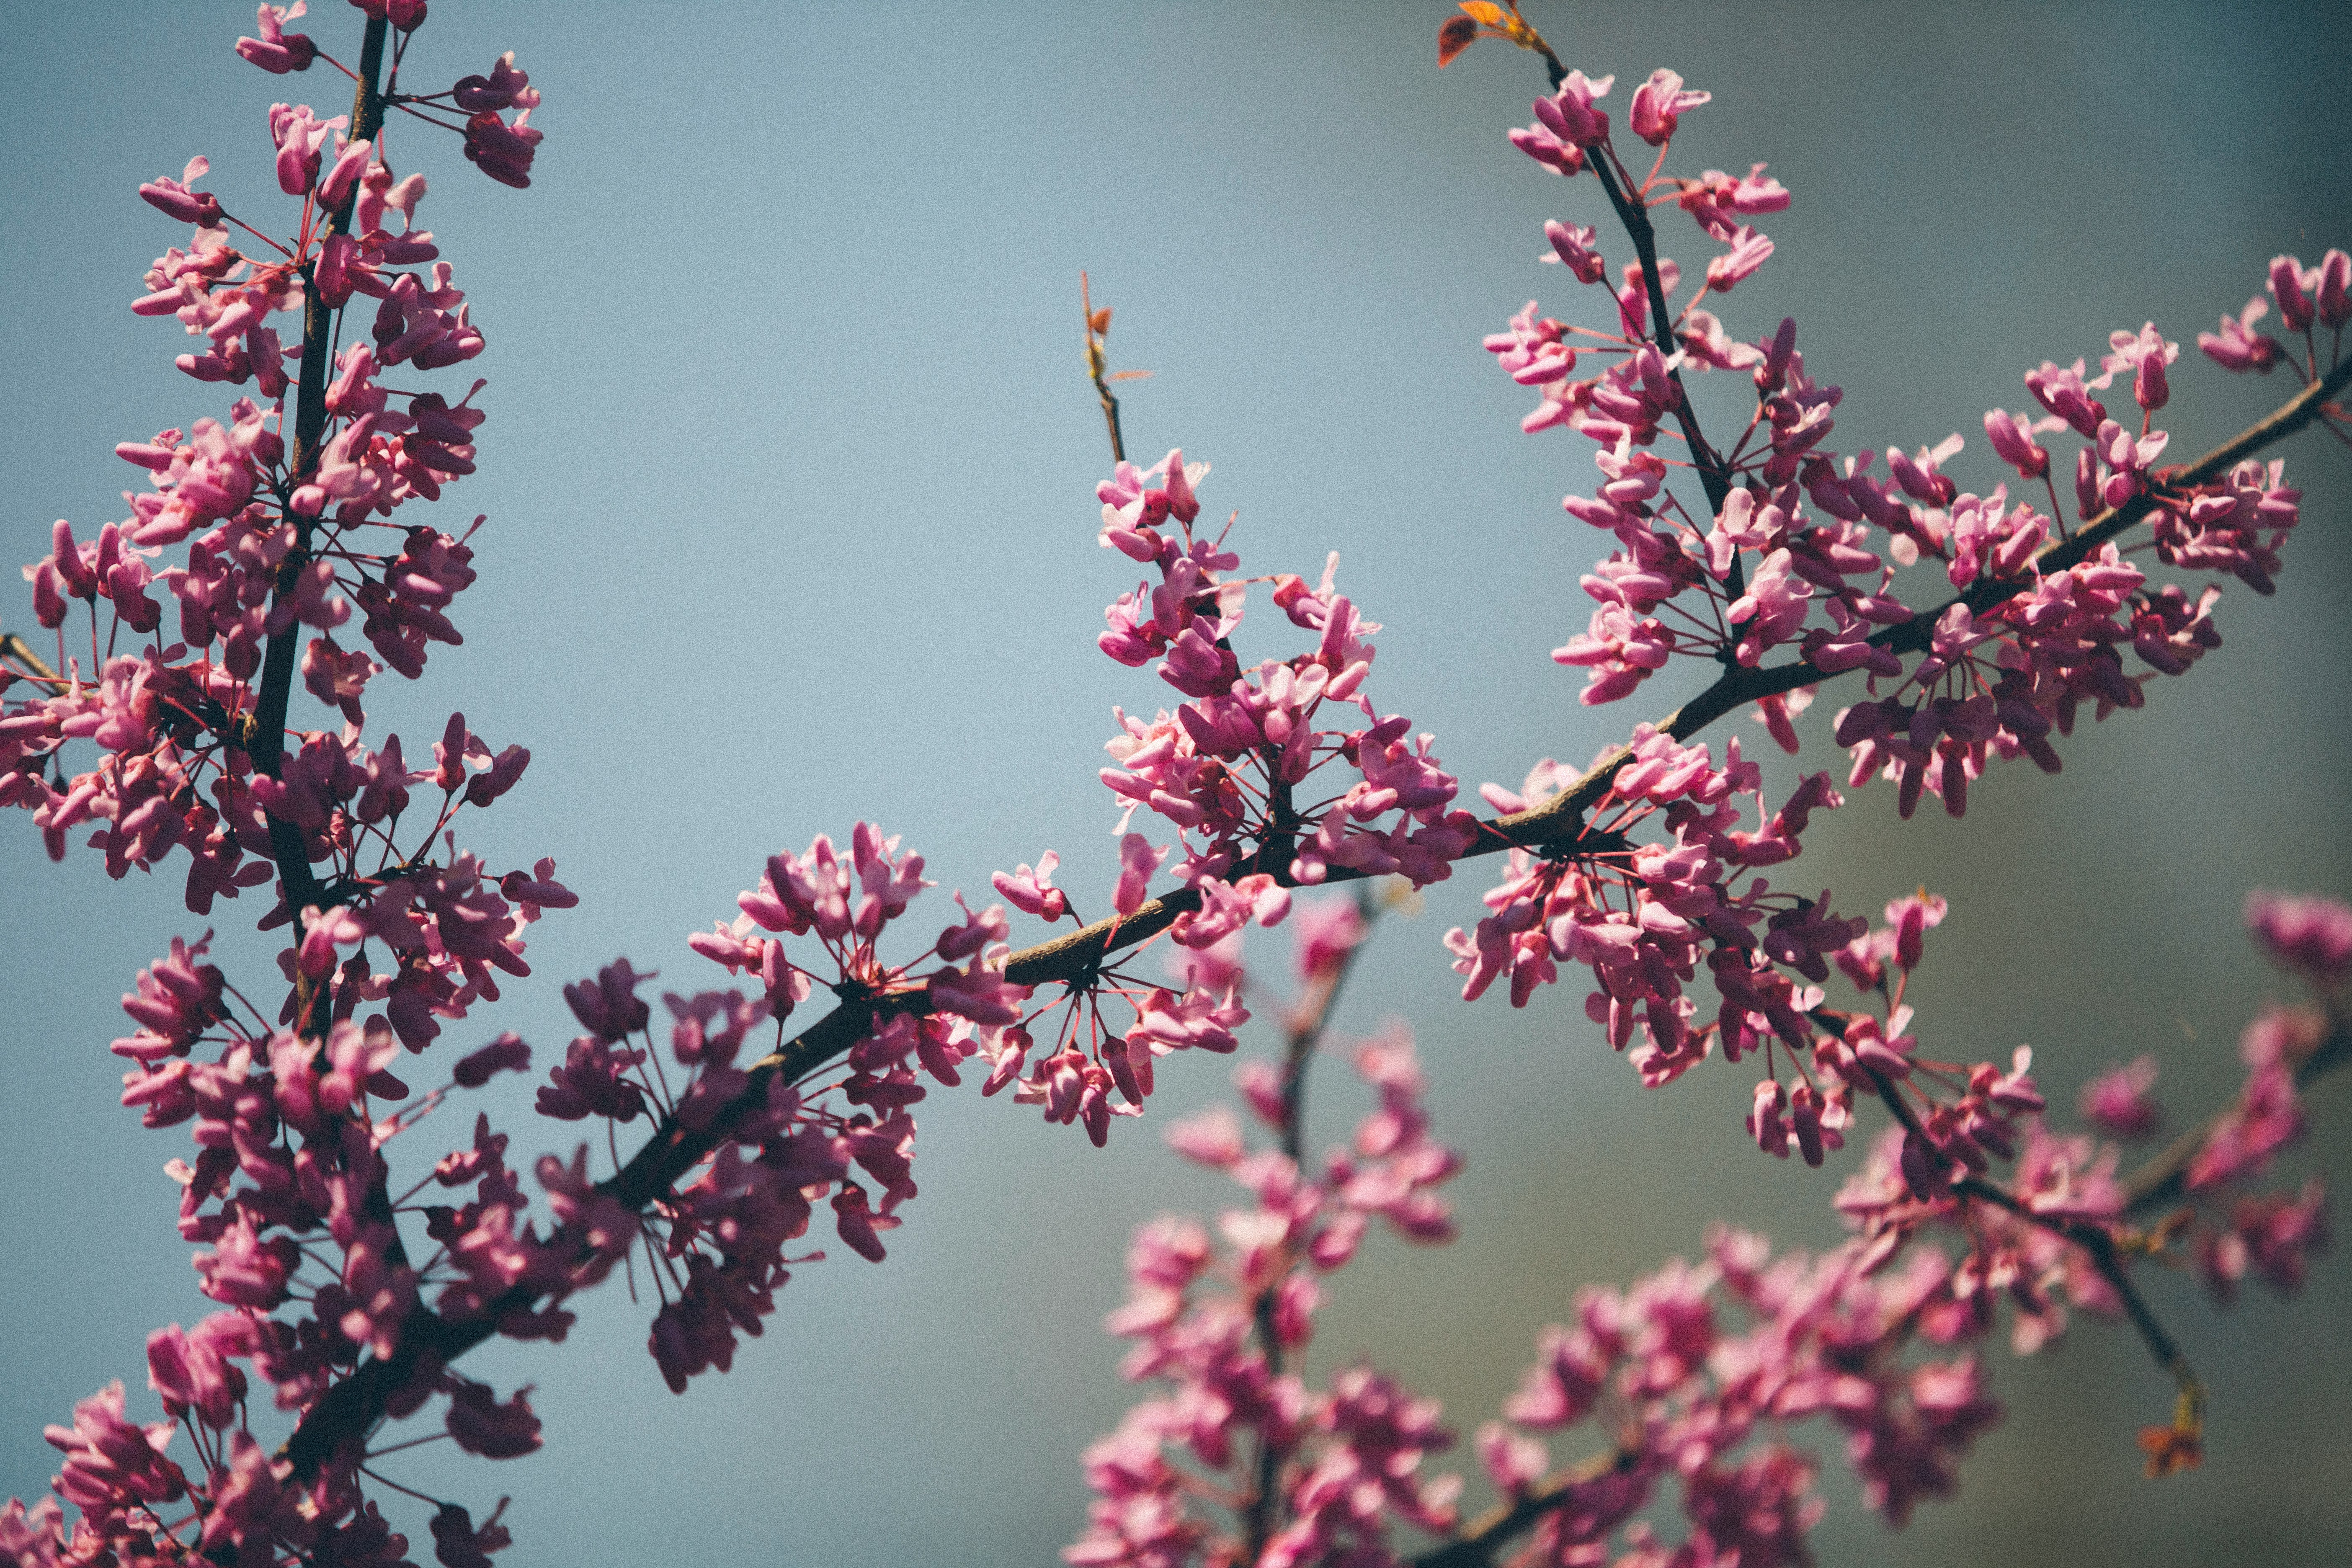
[[302, 139], [2119, 1103], [1658, 106], [2310, 935], [500, 150], [504, 88], [2237, 346], [175, 199], [1137, 861], [277, 51], [483, 1425], [1034, 893]]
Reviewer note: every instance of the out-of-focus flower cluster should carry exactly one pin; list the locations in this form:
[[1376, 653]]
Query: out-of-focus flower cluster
[[1216, 1324]]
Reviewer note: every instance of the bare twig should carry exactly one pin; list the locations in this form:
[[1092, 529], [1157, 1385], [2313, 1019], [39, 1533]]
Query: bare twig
[[17, 648], [1099, 366], [2165, 1178]]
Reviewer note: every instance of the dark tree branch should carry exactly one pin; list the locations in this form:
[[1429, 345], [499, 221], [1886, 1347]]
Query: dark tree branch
[[2097, 1240], [1555, 828], [265, 735]]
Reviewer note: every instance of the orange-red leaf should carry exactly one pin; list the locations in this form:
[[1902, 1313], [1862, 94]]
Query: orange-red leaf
[[1457, 35], [1483, 11], [1099, 322], [2171, 1448]]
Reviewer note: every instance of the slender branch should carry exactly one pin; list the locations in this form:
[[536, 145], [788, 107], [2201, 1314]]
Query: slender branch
[[2099, 1245], [1714, 471], [2097, 1242], [2165, 1178], [1475, 1546], [17, 648], [265, 735], [353, 1407], [1305, 1034], [1097, 367]]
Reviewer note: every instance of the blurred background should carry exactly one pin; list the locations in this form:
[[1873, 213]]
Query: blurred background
[[789, 470]]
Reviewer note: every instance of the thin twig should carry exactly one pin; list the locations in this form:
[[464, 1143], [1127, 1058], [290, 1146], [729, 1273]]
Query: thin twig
[[2097, 1242], [2165, 1178], [17, 648], [1097, 367]]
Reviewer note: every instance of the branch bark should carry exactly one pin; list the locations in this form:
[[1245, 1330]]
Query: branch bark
[[265, 734]]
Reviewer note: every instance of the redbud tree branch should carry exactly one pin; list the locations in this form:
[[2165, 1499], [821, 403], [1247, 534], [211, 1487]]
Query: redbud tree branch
[[2165, 1178], [265, 737], [2098, 1244], [1714, 470], [17, 648], [1305, 1035], [1555, 828], [1475, 1545]]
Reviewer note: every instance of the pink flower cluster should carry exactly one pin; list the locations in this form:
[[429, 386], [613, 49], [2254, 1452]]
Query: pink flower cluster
[[280, 530], [286, 1197], [1217, 1326], [2306, 296], [1260, 797], [1800, 548], [1788, 557], [932, 1022], [1241, 767], [1644, 918], [1682, 1397]]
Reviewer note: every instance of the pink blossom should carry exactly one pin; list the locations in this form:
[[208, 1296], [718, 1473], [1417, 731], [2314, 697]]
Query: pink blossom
[[192, 1372], [1718, 201], [2292, 285], [504, 88], [1573, 247], [1749, 250], [2060, 390], [456, 1543], [1137, 861], [2237, 346], [2334, 302], [482, 1425], [301, 139], [1659, 104], [175, 199], [277, 51], [2012, 438], [503, 150], [2145, 354], [2309, 935], [109, 1462], [2119, 1103], [1034, 893]]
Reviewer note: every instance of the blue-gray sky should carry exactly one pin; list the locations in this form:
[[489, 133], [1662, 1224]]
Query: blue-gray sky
[[787, 470]]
